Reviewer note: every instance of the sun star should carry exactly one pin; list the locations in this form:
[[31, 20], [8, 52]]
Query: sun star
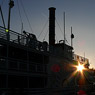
[[80, 67]]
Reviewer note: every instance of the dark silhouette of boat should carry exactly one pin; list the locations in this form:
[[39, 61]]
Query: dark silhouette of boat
[[31, 67]]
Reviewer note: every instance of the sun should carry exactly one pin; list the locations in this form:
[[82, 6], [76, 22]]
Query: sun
[[80, 67]]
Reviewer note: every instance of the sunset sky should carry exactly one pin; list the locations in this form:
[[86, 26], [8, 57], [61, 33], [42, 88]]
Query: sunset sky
[[34, 14]]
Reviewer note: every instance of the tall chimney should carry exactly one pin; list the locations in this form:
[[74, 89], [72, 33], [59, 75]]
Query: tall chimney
[[52, 25]]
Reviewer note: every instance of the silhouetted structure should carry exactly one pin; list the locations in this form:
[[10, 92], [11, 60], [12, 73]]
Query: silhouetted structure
[[31, 67], [52, 25]]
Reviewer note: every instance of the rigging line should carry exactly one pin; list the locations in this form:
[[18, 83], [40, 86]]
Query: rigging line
[[56, 38], [61, 31], [19, 12], [59, 27], [67, 42], [43, 29], [2, 2], [46, 34], [2, 17], [26, 16]]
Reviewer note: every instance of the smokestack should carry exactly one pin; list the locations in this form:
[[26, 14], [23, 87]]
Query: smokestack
[[52, 26]]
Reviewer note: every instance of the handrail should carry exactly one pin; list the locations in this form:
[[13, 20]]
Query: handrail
[[26, 40], [22, 39]]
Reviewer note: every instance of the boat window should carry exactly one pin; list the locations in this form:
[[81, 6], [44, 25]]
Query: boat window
[[35, 57], [3, 50], [37, 82], [17, 81], [17, 53], [2, 80]]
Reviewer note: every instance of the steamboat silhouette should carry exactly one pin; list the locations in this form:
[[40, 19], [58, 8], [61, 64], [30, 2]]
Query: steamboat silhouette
[[32, 67]]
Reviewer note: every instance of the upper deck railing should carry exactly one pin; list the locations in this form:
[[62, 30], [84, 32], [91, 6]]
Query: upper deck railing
[[80, 58], [13, 36], [31, 41], [22, 39]]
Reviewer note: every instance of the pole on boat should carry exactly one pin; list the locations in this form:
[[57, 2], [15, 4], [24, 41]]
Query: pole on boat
[[64, 28], [11, 4], [72, 36]]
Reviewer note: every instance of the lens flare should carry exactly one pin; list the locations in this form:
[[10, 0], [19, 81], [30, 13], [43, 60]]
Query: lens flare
[[80, 67]]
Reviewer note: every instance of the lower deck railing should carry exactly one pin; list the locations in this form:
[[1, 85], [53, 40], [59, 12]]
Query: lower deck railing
[[20, 65]]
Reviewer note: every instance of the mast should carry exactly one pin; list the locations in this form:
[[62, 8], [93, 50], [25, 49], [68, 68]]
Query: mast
[[11, 4], [84, 56], [64, 27], [72, 36]]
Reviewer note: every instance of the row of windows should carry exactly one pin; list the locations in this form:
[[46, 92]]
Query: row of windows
[[22, 66], [21, 54]]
